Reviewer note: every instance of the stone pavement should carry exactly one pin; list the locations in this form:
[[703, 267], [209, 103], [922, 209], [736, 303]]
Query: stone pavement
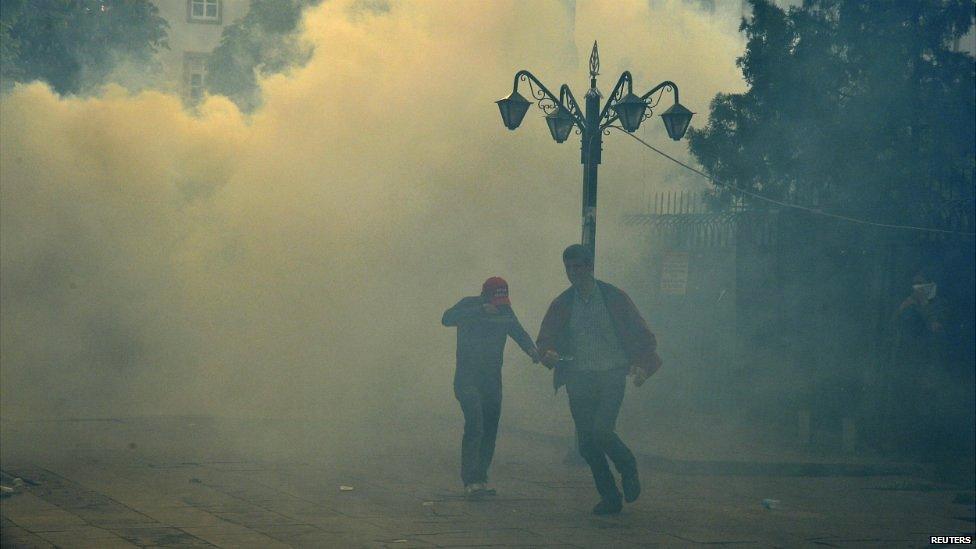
[[204, 482]]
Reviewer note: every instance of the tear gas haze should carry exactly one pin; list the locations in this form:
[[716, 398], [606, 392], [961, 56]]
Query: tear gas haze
[[294, 262]]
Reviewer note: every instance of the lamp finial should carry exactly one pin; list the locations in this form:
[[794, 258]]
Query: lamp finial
[[594, 61]]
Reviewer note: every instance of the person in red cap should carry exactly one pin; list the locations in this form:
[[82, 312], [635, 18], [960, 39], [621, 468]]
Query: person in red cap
[[484, 324]]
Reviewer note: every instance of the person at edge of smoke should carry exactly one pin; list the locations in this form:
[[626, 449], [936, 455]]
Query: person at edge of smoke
[[484, 324], [592, 337]]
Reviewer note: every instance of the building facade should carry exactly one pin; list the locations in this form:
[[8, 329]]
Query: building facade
[[195, 28]]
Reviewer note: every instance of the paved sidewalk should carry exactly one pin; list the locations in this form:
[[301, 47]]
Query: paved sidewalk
[[201, 482]]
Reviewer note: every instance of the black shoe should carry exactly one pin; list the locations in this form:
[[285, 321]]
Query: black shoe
[[631, 486], [608, 507]]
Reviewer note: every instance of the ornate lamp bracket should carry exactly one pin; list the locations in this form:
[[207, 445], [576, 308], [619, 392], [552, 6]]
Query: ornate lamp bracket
[[567, 100], [547, 101], [607, 116], [667, 85]]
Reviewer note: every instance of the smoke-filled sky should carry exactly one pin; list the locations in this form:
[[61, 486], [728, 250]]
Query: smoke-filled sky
[[296, 262]]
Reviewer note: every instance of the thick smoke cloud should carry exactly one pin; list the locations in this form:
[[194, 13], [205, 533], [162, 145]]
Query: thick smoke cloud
[[295, 262]]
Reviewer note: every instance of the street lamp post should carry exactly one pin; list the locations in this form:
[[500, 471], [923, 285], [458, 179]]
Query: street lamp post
[[563, 113]]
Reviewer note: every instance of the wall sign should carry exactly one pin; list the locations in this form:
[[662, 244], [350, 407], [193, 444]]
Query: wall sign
[[674, 273]]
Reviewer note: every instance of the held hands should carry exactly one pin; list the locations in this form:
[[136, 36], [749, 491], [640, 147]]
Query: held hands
[[534, 354], [550, 359]]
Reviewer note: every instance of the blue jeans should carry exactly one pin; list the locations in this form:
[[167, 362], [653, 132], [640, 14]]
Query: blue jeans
[[481, 402], [594, 402]]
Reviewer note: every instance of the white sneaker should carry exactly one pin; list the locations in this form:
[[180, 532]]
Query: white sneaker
[[473, 489]]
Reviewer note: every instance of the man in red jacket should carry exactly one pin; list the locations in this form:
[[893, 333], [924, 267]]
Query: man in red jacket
[[593, 335]]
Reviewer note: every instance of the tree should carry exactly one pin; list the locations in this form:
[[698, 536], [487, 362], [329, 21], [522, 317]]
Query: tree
[[262, 42], [74, 45], [860, 105]]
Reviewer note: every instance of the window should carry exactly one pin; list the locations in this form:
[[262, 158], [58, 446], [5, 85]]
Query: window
[[203, 11], [194, 76]]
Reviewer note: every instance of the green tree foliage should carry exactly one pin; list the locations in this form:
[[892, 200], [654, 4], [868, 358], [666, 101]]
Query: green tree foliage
[[74, 44], [862, 105], [262, 42]]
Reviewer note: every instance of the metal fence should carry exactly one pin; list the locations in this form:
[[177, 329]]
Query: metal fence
[[686, 219]]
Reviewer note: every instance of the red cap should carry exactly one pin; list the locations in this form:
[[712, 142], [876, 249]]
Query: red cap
[[496, 290]]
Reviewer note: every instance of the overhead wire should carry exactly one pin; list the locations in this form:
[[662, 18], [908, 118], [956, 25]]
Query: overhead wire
[[815, 211]]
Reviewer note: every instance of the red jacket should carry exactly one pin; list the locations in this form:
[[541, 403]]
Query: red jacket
[[638, 342]]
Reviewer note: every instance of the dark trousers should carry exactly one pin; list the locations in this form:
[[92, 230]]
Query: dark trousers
[[481, 402], [594, 402]]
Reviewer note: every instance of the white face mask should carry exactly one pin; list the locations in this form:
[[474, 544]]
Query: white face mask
[[928, 289]]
